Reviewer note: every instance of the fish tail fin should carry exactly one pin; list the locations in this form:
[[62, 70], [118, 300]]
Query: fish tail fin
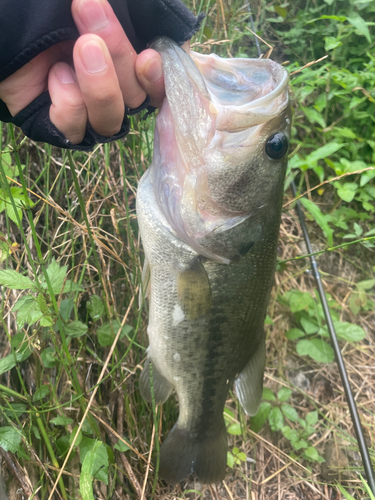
[[183, 454], [249, 383]]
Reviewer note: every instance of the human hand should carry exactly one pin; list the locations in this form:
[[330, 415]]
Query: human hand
[[107, 75]]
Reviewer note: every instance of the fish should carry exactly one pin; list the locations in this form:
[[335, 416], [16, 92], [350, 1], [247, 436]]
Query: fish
[[209, 210]]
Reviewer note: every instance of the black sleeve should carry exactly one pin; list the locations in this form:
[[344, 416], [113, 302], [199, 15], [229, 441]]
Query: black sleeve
[[28, 27]]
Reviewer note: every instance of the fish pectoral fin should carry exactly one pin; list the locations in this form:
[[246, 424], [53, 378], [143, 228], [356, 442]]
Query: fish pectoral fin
[[194, 290], [162, 388], [183, 454], [249, 383], [145, 288]]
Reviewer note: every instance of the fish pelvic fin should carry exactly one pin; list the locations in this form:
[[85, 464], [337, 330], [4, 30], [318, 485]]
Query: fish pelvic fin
[[162, 388], [183, 454], [249, 383]]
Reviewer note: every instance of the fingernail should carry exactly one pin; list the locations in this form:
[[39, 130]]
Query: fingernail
[[92, 57], [153, 71], [92, 15], [65, 74]]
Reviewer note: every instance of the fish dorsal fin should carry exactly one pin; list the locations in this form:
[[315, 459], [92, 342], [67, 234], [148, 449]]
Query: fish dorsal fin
[[194, 290], [249, 383], [162, 388]]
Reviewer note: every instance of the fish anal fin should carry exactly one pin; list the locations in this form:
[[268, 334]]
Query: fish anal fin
[[162, 388], [194, 290], [183, 454], [249, 383]]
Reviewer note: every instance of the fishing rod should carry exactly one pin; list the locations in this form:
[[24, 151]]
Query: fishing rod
[[366, 460]]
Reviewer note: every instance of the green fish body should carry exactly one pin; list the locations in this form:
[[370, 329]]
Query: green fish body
[[209, 211]]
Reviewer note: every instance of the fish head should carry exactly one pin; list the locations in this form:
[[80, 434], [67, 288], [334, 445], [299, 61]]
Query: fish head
[[221, 146]]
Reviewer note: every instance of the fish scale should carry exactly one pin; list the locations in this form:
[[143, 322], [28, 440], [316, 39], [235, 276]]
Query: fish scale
[[211, 267]]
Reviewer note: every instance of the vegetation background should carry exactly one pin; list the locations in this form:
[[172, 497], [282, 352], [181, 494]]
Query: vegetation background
[[73, 337]]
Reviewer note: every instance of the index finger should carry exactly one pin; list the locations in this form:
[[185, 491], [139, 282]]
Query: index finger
[[97, 17]]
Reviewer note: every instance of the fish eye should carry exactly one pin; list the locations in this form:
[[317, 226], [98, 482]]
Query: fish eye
[[277, 146]]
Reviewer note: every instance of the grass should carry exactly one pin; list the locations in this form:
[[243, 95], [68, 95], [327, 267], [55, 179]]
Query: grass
[[71, 383]]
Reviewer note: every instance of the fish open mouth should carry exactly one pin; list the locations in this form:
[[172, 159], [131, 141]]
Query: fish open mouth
[[251, 90]]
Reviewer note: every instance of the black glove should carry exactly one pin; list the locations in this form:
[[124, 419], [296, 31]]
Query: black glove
[[29, 27]]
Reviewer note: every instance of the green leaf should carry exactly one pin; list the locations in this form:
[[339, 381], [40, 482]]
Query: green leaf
[[366, 177], [105, 335], [48, 357], [346, 331], [241, 456], [27, 310], [85, 480], [284, 394], [41, 393], [327, 150], [10, 439], [268, 394], [281, 11], [9, 362], [290, 434], [230, 460], [331, 43], [257, 421], [35, 431], [317, 349], [46, 320], [16, 410], [79, 437], [365, 285], [299, 444], [95, 307], [71, 286], [312, 418], [314, 117], [276, 419], [294, 333], [309, 326], [319, 219], [61, 420], [9, 169], [13, 279], [311, 453], [13, 213], [360, 24], [121, 446], [63, 445], [76, 329], [56, 275], [346, 191], [5, 250], [290, 412], [234, 429], [66, 308], [99, 466], [300, 301]]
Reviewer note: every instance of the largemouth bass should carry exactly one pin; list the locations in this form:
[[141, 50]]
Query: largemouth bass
[[209, 212]]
